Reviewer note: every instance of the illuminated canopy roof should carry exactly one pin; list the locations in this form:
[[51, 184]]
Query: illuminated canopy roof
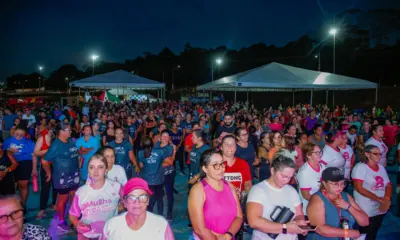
[[280, 77]]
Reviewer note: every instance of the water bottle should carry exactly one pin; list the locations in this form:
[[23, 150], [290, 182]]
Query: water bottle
[[345, 225], [35, 184]]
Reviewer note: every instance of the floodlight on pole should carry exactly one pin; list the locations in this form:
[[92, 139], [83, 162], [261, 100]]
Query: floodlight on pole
[[333, 32], [218, 61], [94, 57], [40, 73]]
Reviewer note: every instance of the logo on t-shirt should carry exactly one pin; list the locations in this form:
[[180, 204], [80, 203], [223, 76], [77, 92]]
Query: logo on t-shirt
[[346, 156], [379, 183], [236, 179]]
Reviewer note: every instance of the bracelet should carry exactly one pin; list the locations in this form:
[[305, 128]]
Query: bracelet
[[346, 233], [347, 209], [230, 234]]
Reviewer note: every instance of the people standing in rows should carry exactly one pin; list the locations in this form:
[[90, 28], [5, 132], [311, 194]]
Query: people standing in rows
[[331, 208], [372, 189], [21, 148], [213, 204], [124, 154], [96, 202], [61, 164]]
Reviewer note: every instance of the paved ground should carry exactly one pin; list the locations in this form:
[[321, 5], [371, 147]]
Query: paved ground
[[389, 231]]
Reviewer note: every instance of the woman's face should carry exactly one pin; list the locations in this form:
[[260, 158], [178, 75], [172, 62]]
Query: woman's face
[[110, 124], [17, 121], [318, 131], [243, 136], [119, 134], [265, 140], [242, 125], [228, 147], [292, 130], [374, 156], [316, 154], [136, 202], [303, 139], [379, 132], [165, 138], [95, 127], [110, 157], [12, 226], [334, 188], [215, 168], [277, 140], [283, 176], [256, 122], [97, 170], [276, 119]]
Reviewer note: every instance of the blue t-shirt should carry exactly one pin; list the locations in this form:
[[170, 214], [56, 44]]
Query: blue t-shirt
[[152, 170], [122, 154], [176, 137], [64, 158], [248, 154], [195, 155], [131, 129], [102, 127], [168, 152], [9, 121], [94, 143], [187, 125], [25, 148], [57, 114]]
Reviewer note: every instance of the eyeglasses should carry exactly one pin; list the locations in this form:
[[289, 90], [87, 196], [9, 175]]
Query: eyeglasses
[[319, 153], [67, 130], [338, 184], [131, 199], [217, 166], [14, 215]]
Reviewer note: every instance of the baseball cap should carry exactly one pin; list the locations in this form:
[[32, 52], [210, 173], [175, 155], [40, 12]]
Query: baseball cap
[[136, 183], [332, 174]]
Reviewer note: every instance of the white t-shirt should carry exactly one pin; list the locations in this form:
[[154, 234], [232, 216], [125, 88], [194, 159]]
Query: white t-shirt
[[31, 120], [309, 179], [270, 197], [347, 155], [96, 206], [373, 181], [118, 174], [154, 228], [332, 157], [382, 146]]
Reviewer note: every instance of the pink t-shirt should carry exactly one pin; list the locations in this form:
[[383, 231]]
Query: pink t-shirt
[[276, 127], [96, 206]]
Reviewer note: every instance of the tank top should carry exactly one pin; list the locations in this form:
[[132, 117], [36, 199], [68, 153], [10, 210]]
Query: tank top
[[332, 217], [45, 146], [220, 208]]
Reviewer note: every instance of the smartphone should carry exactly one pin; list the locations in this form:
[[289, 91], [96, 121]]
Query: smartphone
[[308, 227]]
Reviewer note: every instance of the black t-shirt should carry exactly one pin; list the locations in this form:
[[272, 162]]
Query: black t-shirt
[[221, 129]]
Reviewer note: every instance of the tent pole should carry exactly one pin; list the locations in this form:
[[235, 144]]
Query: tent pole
[[164, 93], [327, 97], [333, 99], [376, 95], [311, 96], [292, 97], [247, 97], [210, 95], [235, 97], [79, 92]]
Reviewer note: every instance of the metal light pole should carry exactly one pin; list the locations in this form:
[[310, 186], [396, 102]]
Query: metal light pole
[[319, 61], [40, 73], [218, 61], [333, 32], [173, 76], [94, 57]]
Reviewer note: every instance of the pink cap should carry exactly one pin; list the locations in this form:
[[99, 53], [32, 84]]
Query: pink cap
[[136, 183]]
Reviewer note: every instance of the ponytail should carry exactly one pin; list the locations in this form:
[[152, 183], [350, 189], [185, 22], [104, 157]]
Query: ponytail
[[147, 145]]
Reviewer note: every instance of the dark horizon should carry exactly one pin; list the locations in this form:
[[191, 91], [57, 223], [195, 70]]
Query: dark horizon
[[53, 34]]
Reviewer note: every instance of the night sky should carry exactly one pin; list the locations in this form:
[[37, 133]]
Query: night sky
[[52, 33]]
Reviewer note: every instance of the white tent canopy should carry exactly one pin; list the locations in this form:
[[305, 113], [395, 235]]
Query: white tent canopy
[[280, 77], [118, 79]]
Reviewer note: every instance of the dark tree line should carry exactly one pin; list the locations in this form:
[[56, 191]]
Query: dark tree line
[[364, 49]]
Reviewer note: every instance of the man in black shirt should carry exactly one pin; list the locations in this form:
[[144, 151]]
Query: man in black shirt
[[229, 127]]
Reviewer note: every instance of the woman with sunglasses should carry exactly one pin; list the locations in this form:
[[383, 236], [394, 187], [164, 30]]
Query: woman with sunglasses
[[309, 175], [137, 222], [12, 225], [333, 212], [377, 140], [96, 202], [213, 204], [372, 188]]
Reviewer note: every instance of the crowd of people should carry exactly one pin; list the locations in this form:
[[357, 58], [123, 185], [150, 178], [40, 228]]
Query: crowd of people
[[273, 173]]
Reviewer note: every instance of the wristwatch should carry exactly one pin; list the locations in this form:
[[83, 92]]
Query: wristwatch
[[284, 229]]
